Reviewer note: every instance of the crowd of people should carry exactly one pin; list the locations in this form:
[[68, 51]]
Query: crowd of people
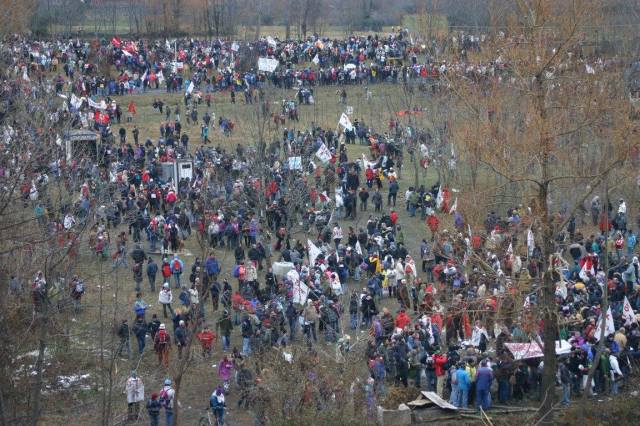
[[474, 288]]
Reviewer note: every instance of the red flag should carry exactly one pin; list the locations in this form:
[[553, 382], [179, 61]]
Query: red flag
[[131, 48], [116, 42]]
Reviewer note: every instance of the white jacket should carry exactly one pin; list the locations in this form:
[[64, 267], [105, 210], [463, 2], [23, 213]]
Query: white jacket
[[165, 297], [194, 297], [615, 367], [134, 389]]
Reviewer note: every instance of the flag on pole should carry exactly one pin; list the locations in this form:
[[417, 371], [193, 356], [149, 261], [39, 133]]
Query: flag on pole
[[531, 244], [628, 315], [190, 88], [300, 293], [324, 154], [358, 248], [314, 252], [454, 206], [345, 122], [76, 102], [587, 266], [160, 77], [316, 60], [609, 327], [439, 198]]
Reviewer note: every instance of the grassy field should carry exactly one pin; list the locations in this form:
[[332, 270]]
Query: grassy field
[[117, 287]]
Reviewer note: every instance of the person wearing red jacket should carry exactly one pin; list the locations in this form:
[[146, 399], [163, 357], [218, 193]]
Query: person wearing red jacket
[[402, 320], [439, 361], [433, 222], [394, 217], [206, 338]]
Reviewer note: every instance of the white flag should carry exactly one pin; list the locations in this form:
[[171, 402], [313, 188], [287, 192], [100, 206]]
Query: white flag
[[144, 76], [454, 206], [324, 154], [366, 163], [358, 248], [627, 313], [300, 293], [76, 102], [531, 244], [314, 252], [190, 88], [609, 327], [167, 45], [267, 64], [439, 198], [345, 122], [25, 76], [160, 77], [235, 46], [316, 60], [589, 69], [101, 106]]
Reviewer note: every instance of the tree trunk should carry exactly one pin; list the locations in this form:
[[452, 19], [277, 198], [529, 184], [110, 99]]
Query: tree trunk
[[550, 312], [287, 27], [37, 385]]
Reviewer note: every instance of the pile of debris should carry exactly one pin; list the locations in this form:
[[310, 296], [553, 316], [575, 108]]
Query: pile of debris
[[429, 408]]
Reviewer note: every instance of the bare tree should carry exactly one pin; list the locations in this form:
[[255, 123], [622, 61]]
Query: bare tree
[[548, 104]]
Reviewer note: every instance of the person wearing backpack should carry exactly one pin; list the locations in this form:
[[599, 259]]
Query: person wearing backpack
[[217, 404], [123, 334], [153, 409], [177, 266], [167, 395], [166, 270], [162, 345], [77, 290]]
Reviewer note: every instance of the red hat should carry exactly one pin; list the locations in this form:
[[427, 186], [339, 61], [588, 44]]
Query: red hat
[[154, 396]]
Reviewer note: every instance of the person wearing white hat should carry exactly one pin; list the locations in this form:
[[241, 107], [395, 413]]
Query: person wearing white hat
[[167, 395], [162, 345], [165, 297]]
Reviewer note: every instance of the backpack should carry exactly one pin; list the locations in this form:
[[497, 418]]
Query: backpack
[[162, 337], [165, 399], [79, 288], [176, 266], [166, 270]]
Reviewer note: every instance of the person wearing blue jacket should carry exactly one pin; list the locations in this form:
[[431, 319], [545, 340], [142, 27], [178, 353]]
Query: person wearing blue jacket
[[484, 377], [212, 266], [464, 384]]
